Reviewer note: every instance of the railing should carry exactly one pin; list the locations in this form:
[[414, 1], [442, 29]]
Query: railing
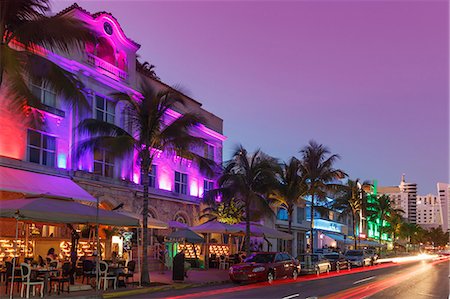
[[107, 67]]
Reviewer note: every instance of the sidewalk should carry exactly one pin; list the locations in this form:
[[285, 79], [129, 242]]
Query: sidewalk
[[160, 281], [164, 282]]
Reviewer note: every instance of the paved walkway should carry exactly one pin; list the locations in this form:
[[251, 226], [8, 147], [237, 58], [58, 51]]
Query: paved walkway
[[194, 276], [161, 281]]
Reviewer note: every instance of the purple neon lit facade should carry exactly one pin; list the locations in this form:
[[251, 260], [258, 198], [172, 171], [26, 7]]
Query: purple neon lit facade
[[104, 68]]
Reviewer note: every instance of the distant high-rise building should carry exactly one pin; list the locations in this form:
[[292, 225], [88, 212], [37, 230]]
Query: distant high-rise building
[[404, 197], [444, 199], [411, 190], [429, 211]]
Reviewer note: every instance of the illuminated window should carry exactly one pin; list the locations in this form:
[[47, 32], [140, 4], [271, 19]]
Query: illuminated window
[[282, 214], [180, 182], [103, 163], [44, 93], [104, 109], [41, 148]]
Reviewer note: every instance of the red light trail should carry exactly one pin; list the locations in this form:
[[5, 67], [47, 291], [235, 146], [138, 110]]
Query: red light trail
[[374, 286]]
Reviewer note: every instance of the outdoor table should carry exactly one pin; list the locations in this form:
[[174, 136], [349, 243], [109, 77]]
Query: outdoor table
[[117, 270], [46, 273]]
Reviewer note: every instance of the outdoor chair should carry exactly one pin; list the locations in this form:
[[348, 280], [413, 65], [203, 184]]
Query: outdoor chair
[[106, 277], [29, 282], [224, 264], [88, 270], [17, 277], [130, 268], [41, 261], [62, 279]]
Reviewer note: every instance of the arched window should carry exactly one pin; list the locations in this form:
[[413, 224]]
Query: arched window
[[179, 217]]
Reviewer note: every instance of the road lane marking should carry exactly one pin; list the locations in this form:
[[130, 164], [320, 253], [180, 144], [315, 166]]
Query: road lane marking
[[291, 296], [365, 279]]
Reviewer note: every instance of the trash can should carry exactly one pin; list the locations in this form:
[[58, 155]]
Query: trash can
[[178, 267]]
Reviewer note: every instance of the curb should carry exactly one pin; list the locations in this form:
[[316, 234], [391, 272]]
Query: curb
[[150, 290]]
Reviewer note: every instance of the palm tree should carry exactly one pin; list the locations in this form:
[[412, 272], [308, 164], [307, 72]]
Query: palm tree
[[318, 169], [230, 212], [25, 30], [395, 222], [351, 201], [248, 178], [289, 191], [380, 210], [149, 135]]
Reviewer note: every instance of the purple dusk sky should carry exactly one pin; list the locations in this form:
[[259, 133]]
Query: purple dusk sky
[[369, 79]]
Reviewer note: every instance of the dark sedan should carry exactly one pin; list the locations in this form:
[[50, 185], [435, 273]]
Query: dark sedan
[[338, 261], [265, 266]]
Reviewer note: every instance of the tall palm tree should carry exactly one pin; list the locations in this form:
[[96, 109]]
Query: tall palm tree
[[149, 135], [380, 210], [289, 191], [248, 178], [24, 31], [350, 200], [318, 169]]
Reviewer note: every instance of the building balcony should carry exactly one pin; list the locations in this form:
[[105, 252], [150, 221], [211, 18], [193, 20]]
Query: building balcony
[[107, 68]]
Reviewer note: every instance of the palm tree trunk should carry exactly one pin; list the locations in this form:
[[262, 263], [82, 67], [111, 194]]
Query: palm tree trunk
[[145, 278], [247, 226], [354, 228], [311, 237], [290, 231], [2, 33]]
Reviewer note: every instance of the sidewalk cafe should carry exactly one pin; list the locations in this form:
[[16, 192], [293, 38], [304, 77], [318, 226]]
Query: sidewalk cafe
[[65, 257]]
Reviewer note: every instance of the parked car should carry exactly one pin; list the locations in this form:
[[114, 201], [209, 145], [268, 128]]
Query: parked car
[[337, 261], [314, 263], [358, 258], [262, 266], [373, 255]]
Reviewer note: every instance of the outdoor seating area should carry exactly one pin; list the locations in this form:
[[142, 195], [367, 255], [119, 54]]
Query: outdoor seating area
[[30, 279]]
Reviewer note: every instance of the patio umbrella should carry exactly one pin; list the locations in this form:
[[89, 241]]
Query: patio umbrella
[[61, 211], [259, 230], [176, 224], [185, 235], [217, 227], [151, 222]]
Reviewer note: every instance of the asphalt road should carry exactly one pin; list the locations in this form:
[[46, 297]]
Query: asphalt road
[[414, 280]]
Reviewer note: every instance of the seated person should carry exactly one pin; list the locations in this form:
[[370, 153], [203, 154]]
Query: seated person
[[51, 255]]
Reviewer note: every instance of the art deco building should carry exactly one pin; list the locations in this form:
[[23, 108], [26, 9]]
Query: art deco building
[[108, 66]]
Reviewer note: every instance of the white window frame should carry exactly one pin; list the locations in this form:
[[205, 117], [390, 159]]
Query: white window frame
[[104, 109], [208, 185], [44, 89], [181, 183], [41, 148], [153, 176], [209, 154], [104, 163]]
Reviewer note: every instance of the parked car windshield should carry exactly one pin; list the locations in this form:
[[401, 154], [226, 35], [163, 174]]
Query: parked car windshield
[[354, 253], [332, 256], [303, 257], [260, 258]]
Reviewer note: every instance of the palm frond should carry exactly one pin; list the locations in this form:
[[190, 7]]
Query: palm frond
[[61, 33]]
